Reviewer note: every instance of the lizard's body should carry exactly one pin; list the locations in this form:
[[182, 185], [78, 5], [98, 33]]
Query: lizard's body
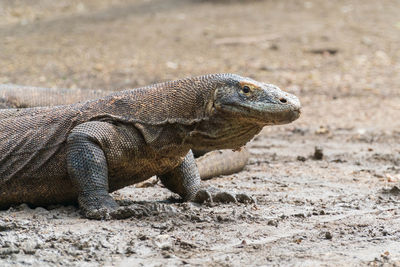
[[212, 164], [83, 151]]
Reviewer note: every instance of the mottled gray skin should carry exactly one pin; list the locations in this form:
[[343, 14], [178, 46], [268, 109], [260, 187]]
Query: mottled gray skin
[[210, 165], [17, 96], [81, 152]]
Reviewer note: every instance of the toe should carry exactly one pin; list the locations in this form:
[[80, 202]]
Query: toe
[[203, 196], [213, 195], [97, 214], [224, 197], [244, 198]]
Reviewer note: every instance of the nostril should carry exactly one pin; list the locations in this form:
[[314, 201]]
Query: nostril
[[283, 100]]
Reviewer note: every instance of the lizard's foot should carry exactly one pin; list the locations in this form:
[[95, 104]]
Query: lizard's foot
[[141, 210], [133, 210], [105, 208], [97, 207], [215, 195], [106, 213]]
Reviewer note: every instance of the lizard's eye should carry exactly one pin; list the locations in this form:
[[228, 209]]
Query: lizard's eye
[[246, 89]]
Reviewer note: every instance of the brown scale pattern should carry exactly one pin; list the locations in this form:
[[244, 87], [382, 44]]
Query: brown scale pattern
[[83, 151], [13, 96]]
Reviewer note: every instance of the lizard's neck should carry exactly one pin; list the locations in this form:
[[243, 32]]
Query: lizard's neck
[[217, 133]]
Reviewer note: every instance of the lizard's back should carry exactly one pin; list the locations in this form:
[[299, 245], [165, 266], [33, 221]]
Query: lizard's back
[[32, 146], [33, 141]]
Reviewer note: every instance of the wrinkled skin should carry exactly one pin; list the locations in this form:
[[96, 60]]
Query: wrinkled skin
[[210, 165], [82, 152]]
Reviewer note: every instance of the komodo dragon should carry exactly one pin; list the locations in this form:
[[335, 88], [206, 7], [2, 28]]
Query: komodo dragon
[[81, 152], [210, 164]]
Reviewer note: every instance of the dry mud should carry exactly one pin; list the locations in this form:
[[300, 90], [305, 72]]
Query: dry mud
[[327, 185]]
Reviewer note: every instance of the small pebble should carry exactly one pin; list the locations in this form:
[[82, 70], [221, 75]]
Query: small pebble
[[301, 158], [328, 235], [318, 153]]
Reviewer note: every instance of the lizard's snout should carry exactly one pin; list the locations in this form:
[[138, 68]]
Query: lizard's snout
[[289, 101], [289, 107]]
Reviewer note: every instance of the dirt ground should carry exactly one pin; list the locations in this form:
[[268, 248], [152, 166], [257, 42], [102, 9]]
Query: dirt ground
[[341, 58]]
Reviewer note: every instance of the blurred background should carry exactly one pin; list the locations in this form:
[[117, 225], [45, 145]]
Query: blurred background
[[341, 58], [344, 48]]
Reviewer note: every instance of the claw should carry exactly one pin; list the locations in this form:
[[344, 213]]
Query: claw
[[214, 195], [224, 197], [203, 196], [97, 214], [244, 198]]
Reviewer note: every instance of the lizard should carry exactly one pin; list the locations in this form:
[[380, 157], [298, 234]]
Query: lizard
[[82, 152], [211, 164]]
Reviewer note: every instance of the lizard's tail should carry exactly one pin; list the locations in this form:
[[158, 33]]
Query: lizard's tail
[[221, 162], [17, 96]]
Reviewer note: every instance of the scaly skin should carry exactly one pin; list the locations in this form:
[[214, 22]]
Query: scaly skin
[[210, 165], [221, 162], [83, 151], [16, 96]]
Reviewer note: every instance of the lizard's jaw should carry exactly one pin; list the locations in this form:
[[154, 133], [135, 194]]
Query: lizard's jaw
[[280, 115], [263, 113], [285, 117]]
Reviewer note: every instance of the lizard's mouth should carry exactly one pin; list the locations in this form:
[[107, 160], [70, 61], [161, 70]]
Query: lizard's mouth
[[263, 113], [282, 117], [296, 114]]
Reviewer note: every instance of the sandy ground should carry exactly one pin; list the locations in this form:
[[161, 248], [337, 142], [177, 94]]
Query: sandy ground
[[342, 58]]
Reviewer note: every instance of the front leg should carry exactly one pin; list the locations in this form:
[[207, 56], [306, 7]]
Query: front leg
[[87, 169], [185, 181]]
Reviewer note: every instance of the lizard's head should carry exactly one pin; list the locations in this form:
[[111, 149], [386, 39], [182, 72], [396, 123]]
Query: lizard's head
[[256, 102]]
